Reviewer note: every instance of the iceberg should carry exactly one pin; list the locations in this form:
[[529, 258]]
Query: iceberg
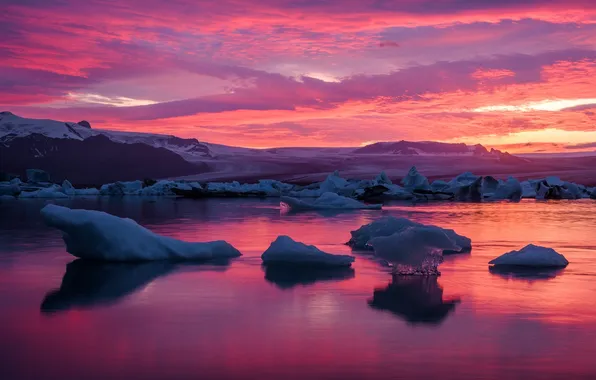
[[472, 191], [463, 179], [532, 256], [8, 188], [510, 189], [382, 179], [416, 250], [528, 189], [286, 251], [333, 183], [489, 185], [68, 188], [121, 188], [439, 185], [390, 225], [97, 235], [415, 181], [327, 201], [53, 191]]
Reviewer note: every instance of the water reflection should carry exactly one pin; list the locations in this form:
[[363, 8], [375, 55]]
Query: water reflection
[[416, 299], [89, 284], [528, 274], [287, 277]]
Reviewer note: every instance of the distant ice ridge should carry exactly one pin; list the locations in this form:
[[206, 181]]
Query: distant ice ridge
[[328, 200], [97, 235], [531, 256], [411, 247], [465, 187], [286, 251]]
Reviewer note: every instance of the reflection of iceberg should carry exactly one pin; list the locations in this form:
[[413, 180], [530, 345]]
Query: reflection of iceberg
[[525, 273], [287, 277], [88, 284], [417, 299]]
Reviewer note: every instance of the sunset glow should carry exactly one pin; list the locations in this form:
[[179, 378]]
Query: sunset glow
[[309, 73]]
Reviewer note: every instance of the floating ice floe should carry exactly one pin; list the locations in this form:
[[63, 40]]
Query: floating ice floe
[[390, 225], [532, 256], [471, 191], [284, 250], [328, 201], [97, 235]]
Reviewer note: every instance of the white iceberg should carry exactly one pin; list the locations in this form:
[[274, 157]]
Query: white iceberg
[[532, 256], [284, 250], [97, 235], [53, 191], [414, 247], [415, 181], [390, 225], [510, 189], [328, 201]]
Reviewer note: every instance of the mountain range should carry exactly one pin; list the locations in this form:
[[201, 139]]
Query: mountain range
[[85, 155]]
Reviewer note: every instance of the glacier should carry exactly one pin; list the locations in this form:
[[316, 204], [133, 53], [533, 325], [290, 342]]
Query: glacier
[[286, 251], [96, 235]]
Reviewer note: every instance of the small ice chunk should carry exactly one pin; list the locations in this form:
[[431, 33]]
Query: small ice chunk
[[97, 235], [328, 201], [532, 256], [284, 250]]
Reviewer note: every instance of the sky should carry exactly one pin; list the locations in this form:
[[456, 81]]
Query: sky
[[519, 74]]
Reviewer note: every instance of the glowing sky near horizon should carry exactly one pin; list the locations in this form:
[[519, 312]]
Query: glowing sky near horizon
[[309, 72]]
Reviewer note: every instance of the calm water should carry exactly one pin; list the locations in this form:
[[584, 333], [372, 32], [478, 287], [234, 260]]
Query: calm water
[[60, 318]]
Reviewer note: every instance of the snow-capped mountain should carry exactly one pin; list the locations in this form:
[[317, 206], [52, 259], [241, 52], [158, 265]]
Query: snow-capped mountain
[[420, 148], [13, 127], [83, 155]]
